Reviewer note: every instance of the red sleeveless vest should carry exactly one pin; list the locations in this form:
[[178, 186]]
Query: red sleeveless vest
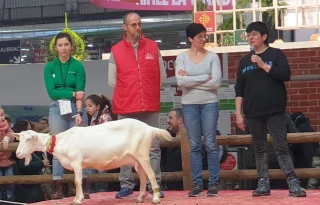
[[137, 86]]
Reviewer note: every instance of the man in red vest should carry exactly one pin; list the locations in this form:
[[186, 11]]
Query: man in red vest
[[136, 71]]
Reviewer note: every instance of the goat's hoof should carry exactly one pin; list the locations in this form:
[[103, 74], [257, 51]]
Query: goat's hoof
[[76, 202], [139, 200], [156, 201]]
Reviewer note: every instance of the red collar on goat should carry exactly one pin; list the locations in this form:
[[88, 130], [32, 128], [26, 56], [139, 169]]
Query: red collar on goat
[[52, 144]]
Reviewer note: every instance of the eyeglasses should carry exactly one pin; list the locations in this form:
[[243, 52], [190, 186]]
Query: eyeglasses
[[202, 37], [134, 25], [253, 34]]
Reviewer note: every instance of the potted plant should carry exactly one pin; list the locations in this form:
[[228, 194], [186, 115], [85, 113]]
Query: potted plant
[[79, 45]]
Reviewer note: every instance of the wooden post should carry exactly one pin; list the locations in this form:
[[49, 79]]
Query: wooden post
[[186, 163]]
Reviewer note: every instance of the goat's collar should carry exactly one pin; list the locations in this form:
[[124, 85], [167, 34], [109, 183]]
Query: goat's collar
[[51, 143]]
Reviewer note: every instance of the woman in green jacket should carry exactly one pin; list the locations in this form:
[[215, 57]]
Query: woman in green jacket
[[65, 81]]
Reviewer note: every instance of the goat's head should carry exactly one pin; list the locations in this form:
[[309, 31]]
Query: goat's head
[[30, 141]]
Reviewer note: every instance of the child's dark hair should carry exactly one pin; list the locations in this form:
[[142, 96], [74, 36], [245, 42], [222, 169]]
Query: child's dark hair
[[102, 101], [20, 125], [261, 28], [63, 35]]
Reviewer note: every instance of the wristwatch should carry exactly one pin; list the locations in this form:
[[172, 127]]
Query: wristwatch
[[80, 112]]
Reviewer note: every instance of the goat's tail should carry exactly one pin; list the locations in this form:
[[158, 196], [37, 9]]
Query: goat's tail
[[163, 134]]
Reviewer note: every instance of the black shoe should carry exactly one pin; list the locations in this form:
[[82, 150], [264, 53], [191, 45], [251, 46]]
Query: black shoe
[[213, 190], [196, 190], [295, 189], [263, 188]]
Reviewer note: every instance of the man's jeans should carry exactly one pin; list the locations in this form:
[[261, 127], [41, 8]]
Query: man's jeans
[[59, 123], [201, 120], [276, 124], [125, 177]]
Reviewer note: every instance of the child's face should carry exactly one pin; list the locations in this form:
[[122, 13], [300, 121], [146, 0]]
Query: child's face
[[91, 107], [2, 117]]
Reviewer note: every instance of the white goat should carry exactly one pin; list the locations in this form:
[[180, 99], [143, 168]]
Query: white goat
[[106, 146]]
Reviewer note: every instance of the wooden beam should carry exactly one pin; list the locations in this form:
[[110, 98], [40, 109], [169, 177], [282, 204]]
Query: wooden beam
[[308, 137], [185, 161], [293, 138], [166, 176]]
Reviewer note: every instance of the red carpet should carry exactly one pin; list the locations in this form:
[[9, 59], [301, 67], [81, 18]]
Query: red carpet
[[278, 197]]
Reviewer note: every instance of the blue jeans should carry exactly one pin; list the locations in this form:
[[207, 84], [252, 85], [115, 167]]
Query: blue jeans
[[59, 123], [201, 120], [9, 188]]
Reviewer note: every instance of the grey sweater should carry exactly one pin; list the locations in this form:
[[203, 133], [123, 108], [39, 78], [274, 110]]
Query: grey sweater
[[196, 87]]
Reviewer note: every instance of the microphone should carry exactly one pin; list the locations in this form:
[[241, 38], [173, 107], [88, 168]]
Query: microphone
[[253, 52]]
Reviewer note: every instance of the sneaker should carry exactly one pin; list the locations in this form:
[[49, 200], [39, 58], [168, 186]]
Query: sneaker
[[150, 195], [213, 190], [196, 190], [124, 193], [263, 188], [295, 189]]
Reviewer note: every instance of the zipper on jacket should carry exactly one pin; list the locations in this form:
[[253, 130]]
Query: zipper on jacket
[[142, 105]]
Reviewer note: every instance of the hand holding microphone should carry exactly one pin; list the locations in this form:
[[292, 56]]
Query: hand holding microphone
[[255, 59]]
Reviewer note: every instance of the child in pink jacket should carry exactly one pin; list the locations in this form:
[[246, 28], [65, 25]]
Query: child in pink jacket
[[5, 157], [99, 110]]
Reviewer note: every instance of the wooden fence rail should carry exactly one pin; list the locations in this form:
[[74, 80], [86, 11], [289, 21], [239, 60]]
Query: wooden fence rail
[[234, 140], [185, 175], [166, 176]]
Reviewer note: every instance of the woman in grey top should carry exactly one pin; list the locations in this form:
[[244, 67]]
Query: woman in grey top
[[198, 73]]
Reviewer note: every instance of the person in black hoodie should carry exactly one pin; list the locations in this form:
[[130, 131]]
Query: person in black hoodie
[[28, 193], [261, 96]]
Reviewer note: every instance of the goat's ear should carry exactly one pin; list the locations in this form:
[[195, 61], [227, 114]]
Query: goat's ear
[[16, 135]]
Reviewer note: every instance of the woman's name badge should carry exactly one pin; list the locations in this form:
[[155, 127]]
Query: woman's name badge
[[65, 107]]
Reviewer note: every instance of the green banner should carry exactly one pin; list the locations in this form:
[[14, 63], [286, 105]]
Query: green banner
[[240, 37], [165, 107]]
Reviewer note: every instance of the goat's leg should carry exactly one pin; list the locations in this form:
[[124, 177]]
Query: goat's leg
[[143, 183], [78, 182], [145, 163]]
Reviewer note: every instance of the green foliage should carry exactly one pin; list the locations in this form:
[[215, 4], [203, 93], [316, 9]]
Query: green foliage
[[228, 23], [271, 12], [200, 7], [79, 46], [264, 3], [227, 40]]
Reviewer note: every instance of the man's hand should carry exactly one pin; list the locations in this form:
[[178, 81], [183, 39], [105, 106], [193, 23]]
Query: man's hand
[[45, 162], [240, 122]]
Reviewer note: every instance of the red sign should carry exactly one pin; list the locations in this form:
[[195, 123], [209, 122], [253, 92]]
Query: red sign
[[40, 55], [206, 18], [230, 163], [157, 5], [169, 63]]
